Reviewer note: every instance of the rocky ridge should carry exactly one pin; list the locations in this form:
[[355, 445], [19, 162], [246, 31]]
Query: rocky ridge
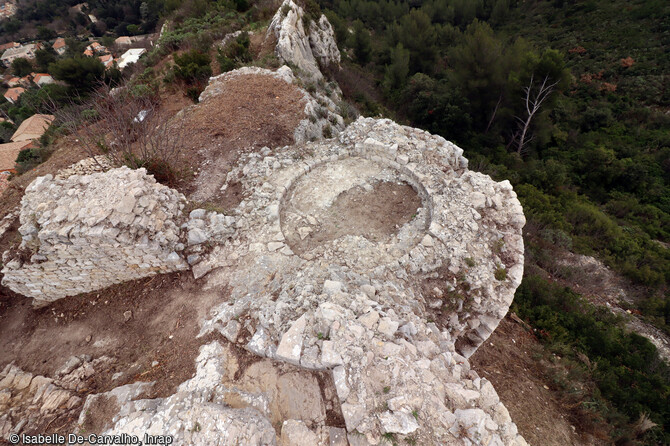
[[320, 109], [307, 49]]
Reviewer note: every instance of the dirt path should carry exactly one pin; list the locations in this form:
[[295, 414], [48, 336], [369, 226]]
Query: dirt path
[[591, 278], [250, 112]]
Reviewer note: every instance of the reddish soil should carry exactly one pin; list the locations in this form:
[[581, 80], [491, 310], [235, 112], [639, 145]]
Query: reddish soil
[[512, 360], [376, 214], [251, 112], [166, 311]]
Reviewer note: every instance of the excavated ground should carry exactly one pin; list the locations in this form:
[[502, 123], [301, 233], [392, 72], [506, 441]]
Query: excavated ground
[[250, 113], [375, 213], [353, 197], [159, 341]]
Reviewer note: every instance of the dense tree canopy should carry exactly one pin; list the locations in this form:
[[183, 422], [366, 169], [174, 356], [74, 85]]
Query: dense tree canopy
[[81, 73], [21, 66]]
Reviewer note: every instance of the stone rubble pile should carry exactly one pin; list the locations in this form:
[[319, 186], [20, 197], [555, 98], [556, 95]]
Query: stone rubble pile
[[98, 163], [86, 232], [361, 308]]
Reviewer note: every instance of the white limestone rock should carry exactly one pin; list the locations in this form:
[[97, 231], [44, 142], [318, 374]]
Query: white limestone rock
[[290, 347], [305, 49], [397, 422], [295, 433]]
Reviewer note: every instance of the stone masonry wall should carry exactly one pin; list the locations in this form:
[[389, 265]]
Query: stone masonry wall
[[87, 232]]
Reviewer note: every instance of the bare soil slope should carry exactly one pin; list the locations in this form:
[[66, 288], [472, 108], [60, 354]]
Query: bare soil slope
[[251, 112], [512, 360]]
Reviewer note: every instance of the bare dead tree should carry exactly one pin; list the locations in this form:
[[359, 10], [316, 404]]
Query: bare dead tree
[[533, 101], [128, 129], [493, 115]]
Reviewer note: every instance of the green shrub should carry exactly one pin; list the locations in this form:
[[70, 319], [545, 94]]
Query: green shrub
[[285, 9], [27, 155], [192, 66], [194, 93], [226, 63], [327, 131], [626, 368]]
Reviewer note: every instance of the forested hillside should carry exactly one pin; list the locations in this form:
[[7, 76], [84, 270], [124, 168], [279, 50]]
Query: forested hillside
[[569, 101]]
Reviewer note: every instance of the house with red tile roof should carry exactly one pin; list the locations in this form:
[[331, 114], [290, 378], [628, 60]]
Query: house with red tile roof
[[13, 81], [13, 94], [94, 48], [33, 127], [41, 79], [25, 80], [8, 45], [107, 60], [9, 152], [7, 9], [59, 46]]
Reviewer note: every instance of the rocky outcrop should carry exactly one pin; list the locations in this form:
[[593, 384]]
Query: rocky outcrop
[[306, 48], [28, 400], [322, 42], [86, 232], [196, 414], [365, 308]]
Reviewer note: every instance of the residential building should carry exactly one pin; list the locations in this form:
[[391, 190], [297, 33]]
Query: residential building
[[9, 152], [13, 81], [25, 51], [13, 94], [41, 79], [94, 48], [107, 60], [25, 80], [59, 46], [123, 41], [8, 45], [7, 9], [32, 128], [130, 56]]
